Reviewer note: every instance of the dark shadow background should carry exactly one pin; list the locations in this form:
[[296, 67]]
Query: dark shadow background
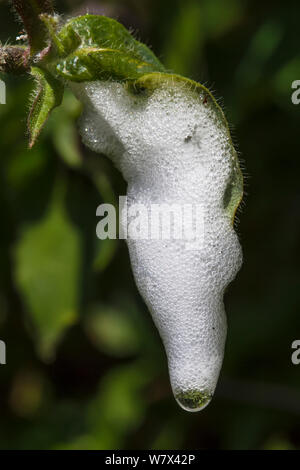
[[85, 365]]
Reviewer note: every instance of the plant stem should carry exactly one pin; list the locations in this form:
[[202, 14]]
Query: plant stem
[[29, 12], [14, 59]]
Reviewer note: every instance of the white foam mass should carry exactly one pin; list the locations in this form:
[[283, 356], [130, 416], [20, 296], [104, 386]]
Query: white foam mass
[[171, 147]]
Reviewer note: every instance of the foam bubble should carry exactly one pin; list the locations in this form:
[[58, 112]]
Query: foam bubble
[[172, 147]]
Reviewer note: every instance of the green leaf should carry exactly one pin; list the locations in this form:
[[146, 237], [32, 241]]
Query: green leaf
[[62, 130], [94, 47], [48, 95], [65, 42], [113, 330], [120, 404], [105, 251], [47, 272], [105, 33], [117, 409], [102, 64], [234, 190]]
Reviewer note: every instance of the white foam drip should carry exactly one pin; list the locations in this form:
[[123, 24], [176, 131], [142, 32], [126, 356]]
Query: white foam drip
[[171, 147]]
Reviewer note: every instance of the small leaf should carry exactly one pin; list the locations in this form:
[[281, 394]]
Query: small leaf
[[47, 271], [102, 64], [106, 33], [94, 47], [63, 43], [63, 131], [49, 95], [104, 253], [113, 331], [120, 403]]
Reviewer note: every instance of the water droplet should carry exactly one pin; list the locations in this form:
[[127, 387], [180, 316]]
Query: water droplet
[[193, 400]]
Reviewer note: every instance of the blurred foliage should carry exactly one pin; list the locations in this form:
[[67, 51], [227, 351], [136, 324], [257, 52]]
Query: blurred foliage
[[47, 262], [85, 366]]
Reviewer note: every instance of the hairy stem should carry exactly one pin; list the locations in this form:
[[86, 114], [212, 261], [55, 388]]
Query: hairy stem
[[29, 11], [14, 59]]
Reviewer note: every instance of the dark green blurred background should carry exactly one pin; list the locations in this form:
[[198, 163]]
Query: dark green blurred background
[[85, 365]]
